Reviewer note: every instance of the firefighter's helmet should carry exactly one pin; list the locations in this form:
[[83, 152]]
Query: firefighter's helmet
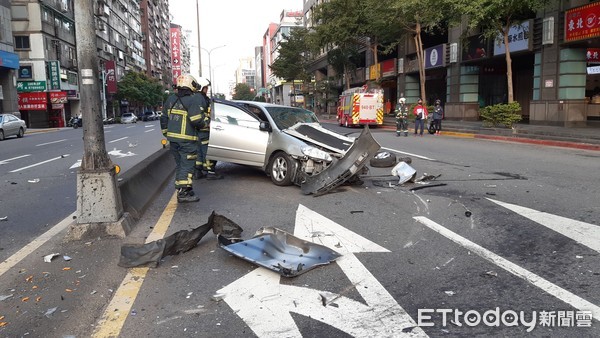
[[203, 82], [402, 100], [187, 81]]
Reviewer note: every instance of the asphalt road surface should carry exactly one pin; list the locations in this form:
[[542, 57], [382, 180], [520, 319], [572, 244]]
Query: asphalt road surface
[[509, 233]]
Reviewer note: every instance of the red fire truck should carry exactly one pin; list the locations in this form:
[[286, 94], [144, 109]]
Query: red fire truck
[[359, 106]]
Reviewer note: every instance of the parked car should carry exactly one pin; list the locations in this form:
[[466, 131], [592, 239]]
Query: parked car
[[128, 118], [288, 143], [11, 125], [150, 116]]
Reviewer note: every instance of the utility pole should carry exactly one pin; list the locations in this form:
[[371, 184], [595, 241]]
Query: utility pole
[[99, 206]]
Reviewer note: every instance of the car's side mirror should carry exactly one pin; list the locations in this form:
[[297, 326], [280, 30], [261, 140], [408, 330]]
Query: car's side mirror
[[264, 126]]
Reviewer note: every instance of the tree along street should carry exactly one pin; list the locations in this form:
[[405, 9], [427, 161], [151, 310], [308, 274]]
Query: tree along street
[[507, 232]]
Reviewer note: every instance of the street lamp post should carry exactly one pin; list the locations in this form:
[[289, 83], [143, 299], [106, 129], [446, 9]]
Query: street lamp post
[[209, 51]]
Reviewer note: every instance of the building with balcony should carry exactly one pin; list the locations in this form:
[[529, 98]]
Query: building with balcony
[[156, 26], [9, 63], [47, 78]]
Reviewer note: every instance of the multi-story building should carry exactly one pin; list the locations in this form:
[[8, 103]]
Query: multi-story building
[[47, 78], [282, 92], [9, 63], [156, 28], [119, 45], [246, 72]]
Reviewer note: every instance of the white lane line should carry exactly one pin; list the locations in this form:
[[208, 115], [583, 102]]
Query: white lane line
[[14, 158], [147, 131], [47, 143], [584, 233], [130, 127], [119, 139], [409, 154], [35, 244], [39, 163], [547, 286]]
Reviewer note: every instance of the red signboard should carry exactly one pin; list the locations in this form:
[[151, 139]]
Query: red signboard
[[388, 68], [33, 101], [176, 52], [58, 97], [593, 55], [582, 22], [111, 78]]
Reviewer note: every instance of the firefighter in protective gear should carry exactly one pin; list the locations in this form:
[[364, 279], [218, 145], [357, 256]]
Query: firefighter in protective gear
[[183, 114], [205, 168], [401, 117]]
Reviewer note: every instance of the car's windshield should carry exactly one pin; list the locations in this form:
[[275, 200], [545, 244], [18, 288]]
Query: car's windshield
[[286, 117]]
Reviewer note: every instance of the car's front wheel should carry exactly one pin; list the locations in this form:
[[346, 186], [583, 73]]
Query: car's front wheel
[[1, 135], [21, 133], [280, 169]]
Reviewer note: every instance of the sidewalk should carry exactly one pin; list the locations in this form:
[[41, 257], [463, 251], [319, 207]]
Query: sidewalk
[[579, 138]]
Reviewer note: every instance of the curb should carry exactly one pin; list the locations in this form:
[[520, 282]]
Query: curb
[[141, 183]]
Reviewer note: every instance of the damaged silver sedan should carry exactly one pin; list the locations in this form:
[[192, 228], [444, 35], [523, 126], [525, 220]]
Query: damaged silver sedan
[[287, 143]]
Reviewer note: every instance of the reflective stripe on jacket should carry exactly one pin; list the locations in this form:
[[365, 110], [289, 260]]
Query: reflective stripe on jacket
[[183, 116]]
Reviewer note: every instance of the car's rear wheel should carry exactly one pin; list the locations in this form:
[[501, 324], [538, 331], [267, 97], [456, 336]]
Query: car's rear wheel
[[21, 133], [280, 169], [1, 135]]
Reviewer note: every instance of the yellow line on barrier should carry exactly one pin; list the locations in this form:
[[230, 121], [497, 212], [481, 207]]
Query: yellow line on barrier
[[457, 134], [118, 309]]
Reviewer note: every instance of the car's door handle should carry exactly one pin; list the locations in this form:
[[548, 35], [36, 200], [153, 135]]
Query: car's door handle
[[218, 128]]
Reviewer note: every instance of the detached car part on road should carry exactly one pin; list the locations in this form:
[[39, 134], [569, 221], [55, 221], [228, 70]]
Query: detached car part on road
[[287, 143]]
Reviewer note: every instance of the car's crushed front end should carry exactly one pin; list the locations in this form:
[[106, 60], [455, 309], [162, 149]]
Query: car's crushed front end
[[329, 159]]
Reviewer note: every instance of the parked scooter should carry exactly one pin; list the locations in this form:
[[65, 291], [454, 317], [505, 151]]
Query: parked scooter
[[431, 128], [75, 122]]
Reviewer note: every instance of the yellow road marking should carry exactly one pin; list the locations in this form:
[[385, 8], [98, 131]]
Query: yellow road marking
[[118, 309]]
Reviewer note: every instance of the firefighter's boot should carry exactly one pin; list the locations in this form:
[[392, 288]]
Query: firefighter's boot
[[186, 195], [199, 174], [212, 175]]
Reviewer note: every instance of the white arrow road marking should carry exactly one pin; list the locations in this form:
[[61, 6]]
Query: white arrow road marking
[[119, 139], [547, 286], [409, 154], [584, 233], [119, 154], [14, 158], [265, 304], [76, 165], [40, 163], [44, 144]]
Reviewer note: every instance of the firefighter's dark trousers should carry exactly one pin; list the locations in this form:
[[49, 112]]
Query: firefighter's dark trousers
[[201, 162], [185, 154]]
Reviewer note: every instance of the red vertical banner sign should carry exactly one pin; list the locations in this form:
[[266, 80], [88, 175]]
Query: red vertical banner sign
[[111, 78], [176, 52]]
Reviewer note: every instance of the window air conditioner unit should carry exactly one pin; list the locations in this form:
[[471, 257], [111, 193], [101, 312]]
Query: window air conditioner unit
[[64, 7], [101, 26]]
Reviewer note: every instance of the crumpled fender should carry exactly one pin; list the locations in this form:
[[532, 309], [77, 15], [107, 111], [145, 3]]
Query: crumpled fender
[[361, 151]]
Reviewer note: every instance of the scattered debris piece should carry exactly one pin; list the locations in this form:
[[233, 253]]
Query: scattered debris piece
[[356, 211], [217, 297], [577, 256], [491, 273], [405, 172], [5, 218], [37, 299], [93, 292], [450, 293], [35, 180], [50, 311], [68, 290], [426, 177], [66, 269], [189, 295], [5, 297], [48, 258], [3, 324], [25, 299], [174, 266], [490, 185], [279, 251], [66, 258], [428, 186], [408, 329], [468, 213], [490, 193]]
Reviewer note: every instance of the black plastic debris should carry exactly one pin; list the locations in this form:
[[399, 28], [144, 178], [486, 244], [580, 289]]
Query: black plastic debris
[[133, 255], [280, 251]]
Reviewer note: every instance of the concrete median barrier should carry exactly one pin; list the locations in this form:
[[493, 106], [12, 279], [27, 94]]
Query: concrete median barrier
[[140, 184]]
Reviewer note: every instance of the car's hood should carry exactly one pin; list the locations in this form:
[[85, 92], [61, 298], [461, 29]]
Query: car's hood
[[316, 134]]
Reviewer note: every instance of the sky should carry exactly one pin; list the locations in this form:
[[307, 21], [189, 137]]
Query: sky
[[237, 24]]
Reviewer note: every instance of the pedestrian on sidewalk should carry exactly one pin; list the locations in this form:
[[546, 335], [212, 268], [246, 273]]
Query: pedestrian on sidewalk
[[402, 117], [420, 113], [438, 115]]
